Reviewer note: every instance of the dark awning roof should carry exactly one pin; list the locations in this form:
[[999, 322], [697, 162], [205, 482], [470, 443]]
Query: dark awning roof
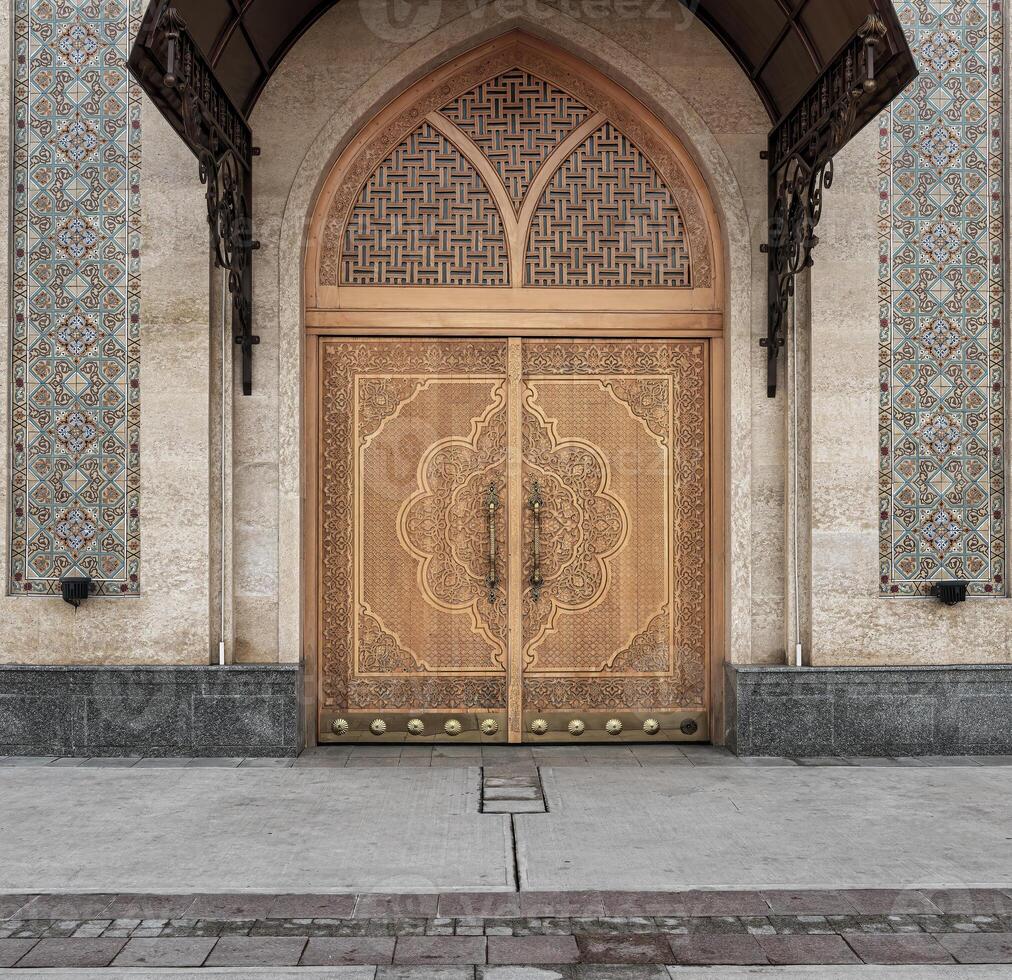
[[783, 45]]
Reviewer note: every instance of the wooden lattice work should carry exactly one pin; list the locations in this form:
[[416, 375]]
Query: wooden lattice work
[[425, 218], [515, 170], [607, 218], [516, 120]]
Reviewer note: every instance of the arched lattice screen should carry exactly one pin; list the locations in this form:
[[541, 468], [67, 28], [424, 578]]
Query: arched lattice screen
[[425, 218], [516, 171]]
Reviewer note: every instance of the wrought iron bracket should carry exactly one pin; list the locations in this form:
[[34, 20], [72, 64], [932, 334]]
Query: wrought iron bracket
[[801, 153], [174, 72]]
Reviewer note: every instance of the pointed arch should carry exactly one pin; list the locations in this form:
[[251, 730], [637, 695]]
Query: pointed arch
[[515, 166]]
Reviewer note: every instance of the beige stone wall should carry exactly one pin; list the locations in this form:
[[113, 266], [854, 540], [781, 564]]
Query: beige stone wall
[[851, 622], [347, 66], [350, 63], [168, 622]]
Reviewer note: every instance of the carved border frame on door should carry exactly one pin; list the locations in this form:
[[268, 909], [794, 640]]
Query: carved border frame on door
[[423, 311]]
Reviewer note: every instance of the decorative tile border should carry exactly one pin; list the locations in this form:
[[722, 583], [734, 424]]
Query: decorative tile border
[[76, 299], [942, 299]]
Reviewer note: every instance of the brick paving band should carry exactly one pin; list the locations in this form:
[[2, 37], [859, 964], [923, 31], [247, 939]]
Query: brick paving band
[[568, 930]]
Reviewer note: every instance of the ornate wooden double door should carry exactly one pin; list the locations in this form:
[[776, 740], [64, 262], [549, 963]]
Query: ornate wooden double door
[[513, 483], [512, 539]]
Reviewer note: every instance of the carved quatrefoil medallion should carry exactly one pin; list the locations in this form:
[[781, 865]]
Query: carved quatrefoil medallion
[[583, 525], [444, 524]]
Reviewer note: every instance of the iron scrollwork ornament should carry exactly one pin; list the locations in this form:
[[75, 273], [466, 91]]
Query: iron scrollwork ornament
[[801, 154], [219, 136]]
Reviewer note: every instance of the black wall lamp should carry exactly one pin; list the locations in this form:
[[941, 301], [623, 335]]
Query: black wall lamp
[[950, 592], [75, 589]]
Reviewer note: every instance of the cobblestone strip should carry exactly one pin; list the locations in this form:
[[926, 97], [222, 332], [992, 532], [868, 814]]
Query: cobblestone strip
[[759, 911], [758, 926], [470, 930]]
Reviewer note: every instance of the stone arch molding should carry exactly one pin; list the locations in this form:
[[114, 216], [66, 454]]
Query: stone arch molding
[[301, 207], [519, 168]]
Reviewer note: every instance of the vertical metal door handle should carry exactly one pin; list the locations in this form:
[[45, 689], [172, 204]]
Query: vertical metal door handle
[[491, 505], [537, 504]]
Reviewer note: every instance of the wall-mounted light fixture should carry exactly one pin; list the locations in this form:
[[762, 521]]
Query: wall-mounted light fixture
[[950, 592], [75, 588]]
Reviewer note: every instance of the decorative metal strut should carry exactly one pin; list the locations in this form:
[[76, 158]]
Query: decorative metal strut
[[801, 152], [218, 134]]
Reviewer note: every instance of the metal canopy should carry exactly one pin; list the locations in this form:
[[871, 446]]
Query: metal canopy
[[783, 45], [823, 69]]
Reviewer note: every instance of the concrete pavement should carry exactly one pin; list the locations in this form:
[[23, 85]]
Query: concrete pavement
[[807, 827], [599, 877], [270, 830], [393, 829]]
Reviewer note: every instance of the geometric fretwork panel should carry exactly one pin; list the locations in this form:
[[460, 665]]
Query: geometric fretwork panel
[[942, 295], [425, 218], [606, 218], [516, 120], [76, 300]]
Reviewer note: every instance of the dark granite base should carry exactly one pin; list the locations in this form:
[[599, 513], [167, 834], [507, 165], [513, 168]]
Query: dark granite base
[[241, 710], [869, 711]]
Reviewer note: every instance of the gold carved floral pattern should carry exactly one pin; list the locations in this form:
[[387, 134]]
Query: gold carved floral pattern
[[445, 524], [340, 363], [663, 384], [650, 651], [682, 366], [379, 652], [587, 523]]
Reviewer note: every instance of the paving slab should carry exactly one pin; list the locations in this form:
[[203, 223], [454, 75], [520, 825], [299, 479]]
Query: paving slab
[[206, 973], [983, 947], [898, 948], [12, 950], [532, 949], [451, 950], [735, 827], [257, 951], [72, 953], [250, 830], [801, 949], [340, 951], [164, 952]]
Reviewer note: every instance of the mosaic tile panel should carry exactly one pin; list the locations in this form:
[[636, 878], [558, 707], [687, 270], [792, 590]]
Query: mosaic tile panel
[[942, 305], [516, 120], [76, 302], [425, 218]]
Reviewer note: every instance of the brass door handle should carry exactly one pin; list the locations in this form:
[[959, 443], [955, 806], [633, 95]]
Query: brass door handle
[[537, 504], [491, 506]]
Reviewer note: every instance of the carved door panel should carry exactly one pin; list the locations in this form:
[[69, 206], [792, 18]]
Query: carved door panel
[[615, 595], [447, 607], [412, 543]]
